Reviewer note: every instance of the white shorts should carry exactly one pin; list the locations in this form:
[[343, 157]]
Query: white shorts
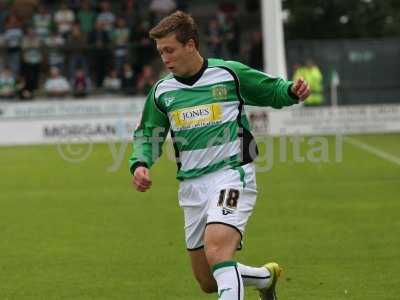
[[223, 197]]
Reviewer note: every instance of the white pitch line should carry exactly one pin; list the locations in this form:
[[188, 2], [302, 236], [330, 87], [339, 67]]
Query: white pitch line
[[378, 152]]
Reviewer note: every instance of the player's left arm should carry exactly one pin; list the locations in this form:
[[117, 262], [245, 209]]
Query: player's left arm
[[149, 135], [260, 89]]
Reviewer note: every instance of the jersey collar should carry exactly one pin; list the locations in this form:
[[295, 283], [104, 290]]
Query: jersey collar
[[193, 79]]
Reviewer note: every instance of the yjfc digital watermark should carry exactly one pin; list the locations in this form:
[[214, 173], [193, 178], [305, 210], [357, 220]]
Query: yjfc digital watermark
[[75, 149], [281, 149]]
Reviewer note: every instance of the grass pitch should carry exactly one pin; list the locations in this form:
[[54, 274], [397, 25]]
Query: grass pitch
[[79, 231]]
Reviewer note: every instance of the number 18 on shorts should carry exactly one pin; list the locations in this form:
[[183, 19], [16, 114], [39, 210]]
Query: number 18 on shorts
[[223, 197]]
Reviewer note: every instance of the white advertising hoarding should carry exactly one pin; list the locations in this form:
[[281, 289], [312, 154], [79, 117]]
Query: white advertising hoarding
[[70, 108], [69, 121], [326, 120], [102, 120], [93, 129]]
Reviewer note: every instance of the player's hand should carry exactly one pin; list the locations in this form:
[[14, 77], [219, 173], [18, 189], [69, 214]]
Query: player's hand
[[141, 179], [301, 89]]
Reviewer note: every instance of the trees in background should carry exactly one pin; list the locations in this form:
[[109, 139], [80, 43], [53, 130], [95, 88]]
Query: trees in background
[[341, 18]]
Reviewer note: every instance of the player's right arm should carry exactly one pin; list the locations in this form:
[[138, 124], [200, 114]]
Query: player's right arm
[[148, 138], [260, 89]]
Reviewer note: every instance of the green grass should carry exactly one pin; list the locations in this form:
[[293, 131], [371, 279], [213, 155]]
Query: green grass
[[79, 231]]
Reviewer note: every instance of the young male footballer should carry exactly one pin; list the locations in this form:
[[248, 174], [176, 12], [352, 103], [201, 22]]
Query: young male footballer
[[201, 102]]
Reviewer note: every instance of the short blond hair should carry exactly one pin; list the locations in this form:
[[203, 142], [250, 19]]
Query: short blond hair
[[180, 23]]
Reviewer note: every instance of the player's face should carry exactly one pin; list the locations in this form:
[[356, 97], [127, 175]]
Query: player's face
[[175, 55]]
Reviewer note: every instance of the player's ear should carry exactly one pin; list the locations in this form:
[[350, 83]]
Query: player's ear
[[191, 46]]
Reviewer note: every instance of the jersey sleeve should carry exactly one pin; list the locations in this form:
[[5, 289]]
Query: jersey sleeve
[[259, 89], [149, 135]]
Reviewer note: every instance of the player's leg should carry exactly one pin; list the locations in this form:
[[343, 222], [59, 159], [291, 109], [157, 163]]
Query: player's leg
[[257, 277], [202, 271], [230, 206], [220, 244], [194, 201]]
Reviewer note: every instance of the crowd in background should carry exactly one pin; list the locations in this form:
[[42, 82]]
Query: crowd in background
[[86, 47]]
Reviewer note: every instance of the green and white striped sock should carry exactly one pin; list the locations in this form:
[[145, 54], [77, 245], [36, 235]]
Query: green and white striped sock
[[229, 281], [252, 276]]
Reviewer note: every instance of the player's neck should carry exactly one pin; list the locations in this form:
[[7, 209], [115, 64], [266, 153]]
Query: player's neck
[[196, 68], [197, 64]]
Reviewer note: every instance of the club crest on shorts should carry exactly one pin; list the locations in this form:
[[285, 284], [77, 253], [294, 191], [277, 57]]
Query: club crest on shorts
[[220, 92]]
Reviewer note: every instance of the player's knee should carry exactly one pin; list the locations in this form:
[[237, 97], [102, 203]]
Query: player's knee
[[215, 254], [220, 242]]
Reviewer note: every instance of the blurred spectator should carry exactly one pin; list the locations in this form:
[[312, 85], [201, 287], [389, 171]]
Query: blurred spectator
[[312, 74], [64, 18], [22, 90], [74, 5], [127, 3], [232, 38], [145, 50], [214, 38], [86, 17], [112, 84], [99, 39], [227, 7], [56, 85], [160, 8], [77, 46], [130, 12], [182, 5], [55, 50], [146, 80], [24, 9], [221, 18], [106, 16], [42, 23], [142, 7], [256, 51], [128, 79], [99, 53], [120, 37], [8, 86], [32, 58], [80, 83], [3, 15], [13, 39]]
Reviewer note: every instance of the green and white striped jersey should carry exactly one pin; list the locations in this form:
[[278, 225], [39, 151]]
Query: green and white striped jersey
[[206, 117]]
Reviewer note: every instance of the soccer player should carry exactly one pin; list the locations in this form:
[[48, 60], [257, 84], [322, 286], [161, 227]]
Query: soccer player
[[201, 102]]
